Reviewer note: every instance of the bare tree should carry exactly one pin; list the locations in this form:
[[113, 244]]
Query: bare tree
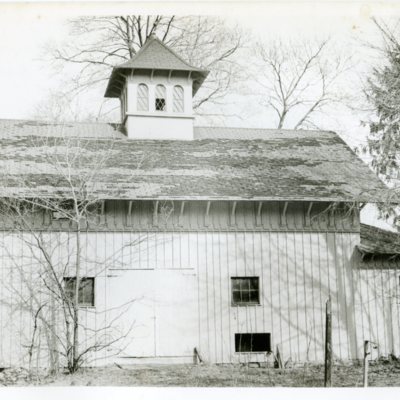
[[97, 44], [48, 258], [300, 79], [59, 107]]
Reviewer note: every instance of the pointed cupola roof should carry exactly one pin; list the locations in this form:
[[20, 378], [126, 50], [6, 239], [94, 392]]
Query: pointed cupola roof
[[153, 56]]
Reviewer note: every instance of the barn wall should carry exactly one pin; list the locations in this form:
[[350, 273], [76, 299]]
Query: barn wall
[[379, 304], [297, 271], [169, 290]]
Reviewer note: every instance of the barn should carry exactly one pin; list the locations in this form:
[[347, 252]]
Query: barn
[[203, 243]]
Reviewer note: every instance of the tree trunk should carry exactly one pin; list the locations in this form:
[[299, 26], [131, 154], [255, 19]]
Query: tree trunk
[[328, 344], [75, 346], [54, 360]]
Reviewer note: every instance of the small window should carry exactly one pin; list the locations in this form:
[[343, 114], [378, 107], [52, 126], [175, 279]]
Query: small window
[[252, 342], [86, 291], [65, 211], [245, 290], [160, 98], [143, 98], [178, 99]]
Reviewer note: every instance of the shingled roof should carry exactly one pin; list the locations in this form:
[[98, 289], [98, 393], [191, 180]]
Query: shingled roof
[[378, 241], [221, 163], [154, 55]]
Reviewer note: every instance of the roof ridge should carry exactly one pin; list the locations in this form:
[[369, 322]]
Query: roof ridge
[[267, 129], [174, 53], [42, 121], [146, 44]]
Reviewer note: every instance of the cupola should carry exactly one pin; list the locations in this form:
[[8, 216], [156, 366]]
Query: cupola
[[156, 89]]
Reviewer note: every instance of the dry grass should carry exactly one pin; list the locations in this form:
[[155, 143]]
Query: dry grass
[[383, 373]]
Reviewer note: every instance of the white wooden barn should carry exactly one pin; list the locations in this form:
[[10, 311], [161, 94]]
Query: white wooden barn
[[227, 241]]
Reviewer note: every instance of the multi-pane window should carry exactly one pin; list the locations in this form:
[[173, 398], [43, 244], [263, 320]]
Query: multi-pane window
[[86, 291], [178, 99], [252, 342], [143, 98], [245, 290], [161, 104]]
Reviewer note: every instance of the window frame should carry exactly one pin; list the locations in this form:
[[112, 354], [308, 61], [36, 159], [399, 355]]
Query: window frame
[[146, 99], [67, 279], [258, 351], [180, 101], [157, 98], [249, 302]]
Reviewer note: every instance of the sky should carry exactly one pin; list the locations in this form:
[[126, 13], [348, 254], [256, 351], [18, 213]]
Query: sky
[[26, 29]]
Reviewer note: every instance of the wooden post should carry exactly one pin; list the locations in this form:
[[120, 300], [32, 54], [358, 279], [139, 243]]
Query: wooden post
[[366, 353], [197, 357], [328, 344]]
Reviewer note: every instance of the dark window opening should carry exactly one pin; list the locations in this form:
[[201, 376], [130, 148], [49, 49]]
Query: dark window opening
[[252, 342], [86, 291], [65, 210], [160, 104], [245, 290]]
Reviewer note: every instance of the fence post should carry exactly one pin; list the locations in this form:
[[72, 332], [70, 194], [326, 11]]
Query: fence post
[[366, 353], [328, 344]]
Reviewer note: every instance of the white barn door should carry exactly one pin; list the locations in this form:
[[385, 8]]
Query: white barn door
[[136, 286], [176, 313], [164, 312]]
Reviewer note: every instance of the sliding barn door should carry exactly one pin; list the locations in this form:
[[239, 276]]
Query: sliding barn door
[[136, 289], [176, 313]]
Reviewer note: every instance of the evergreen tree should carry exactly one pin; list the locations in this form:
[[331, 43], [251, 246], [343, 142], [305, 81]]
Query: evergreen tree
[[383, 93]]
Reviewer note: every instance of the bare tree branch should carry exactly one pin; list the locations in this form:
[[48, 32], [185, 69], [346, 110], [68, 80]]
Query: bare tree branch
[[299, 80]]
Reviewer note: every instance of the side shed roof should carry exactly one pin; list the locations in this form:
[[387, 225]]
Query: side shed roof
[[378, 241]]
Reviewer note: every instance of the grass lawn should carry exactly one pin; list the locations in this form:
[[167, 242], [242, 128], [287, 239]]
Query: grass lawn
[[382, 373]]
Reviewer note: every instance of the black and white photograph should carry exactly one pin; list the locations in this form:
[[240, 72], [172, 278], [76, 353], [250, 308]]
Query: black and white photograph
[[200, 195]]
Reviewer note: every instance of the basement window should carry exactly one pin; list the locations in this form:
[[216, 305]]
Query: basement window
[[252, 342], [245, 290], [86, 291]]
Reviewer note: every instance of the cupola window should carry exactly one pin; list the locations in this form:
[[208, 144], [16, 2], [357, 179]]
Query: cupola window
[[178, 99], [143, 98], [161, 104]]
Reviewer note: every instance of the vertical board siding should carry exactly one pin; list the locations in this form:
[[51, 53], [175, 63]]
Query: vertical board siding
[[297, 272]]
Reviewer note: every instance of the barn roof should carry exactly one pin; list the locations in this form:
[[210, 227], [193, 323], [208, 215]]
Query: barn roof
[[154, 55], [221, 163], [378, 241]]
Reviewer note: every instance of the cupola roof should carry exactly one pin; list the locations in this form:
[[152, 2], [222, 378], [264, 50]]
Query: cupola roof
[[157, 56]]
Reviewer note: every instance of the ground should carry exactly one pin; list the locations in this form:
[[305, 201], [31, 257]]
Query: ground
[[382, 373]]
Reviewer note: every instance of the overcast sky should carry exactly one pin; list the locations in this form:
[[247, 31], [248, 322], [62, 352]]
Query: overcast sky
[[26, 29]]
